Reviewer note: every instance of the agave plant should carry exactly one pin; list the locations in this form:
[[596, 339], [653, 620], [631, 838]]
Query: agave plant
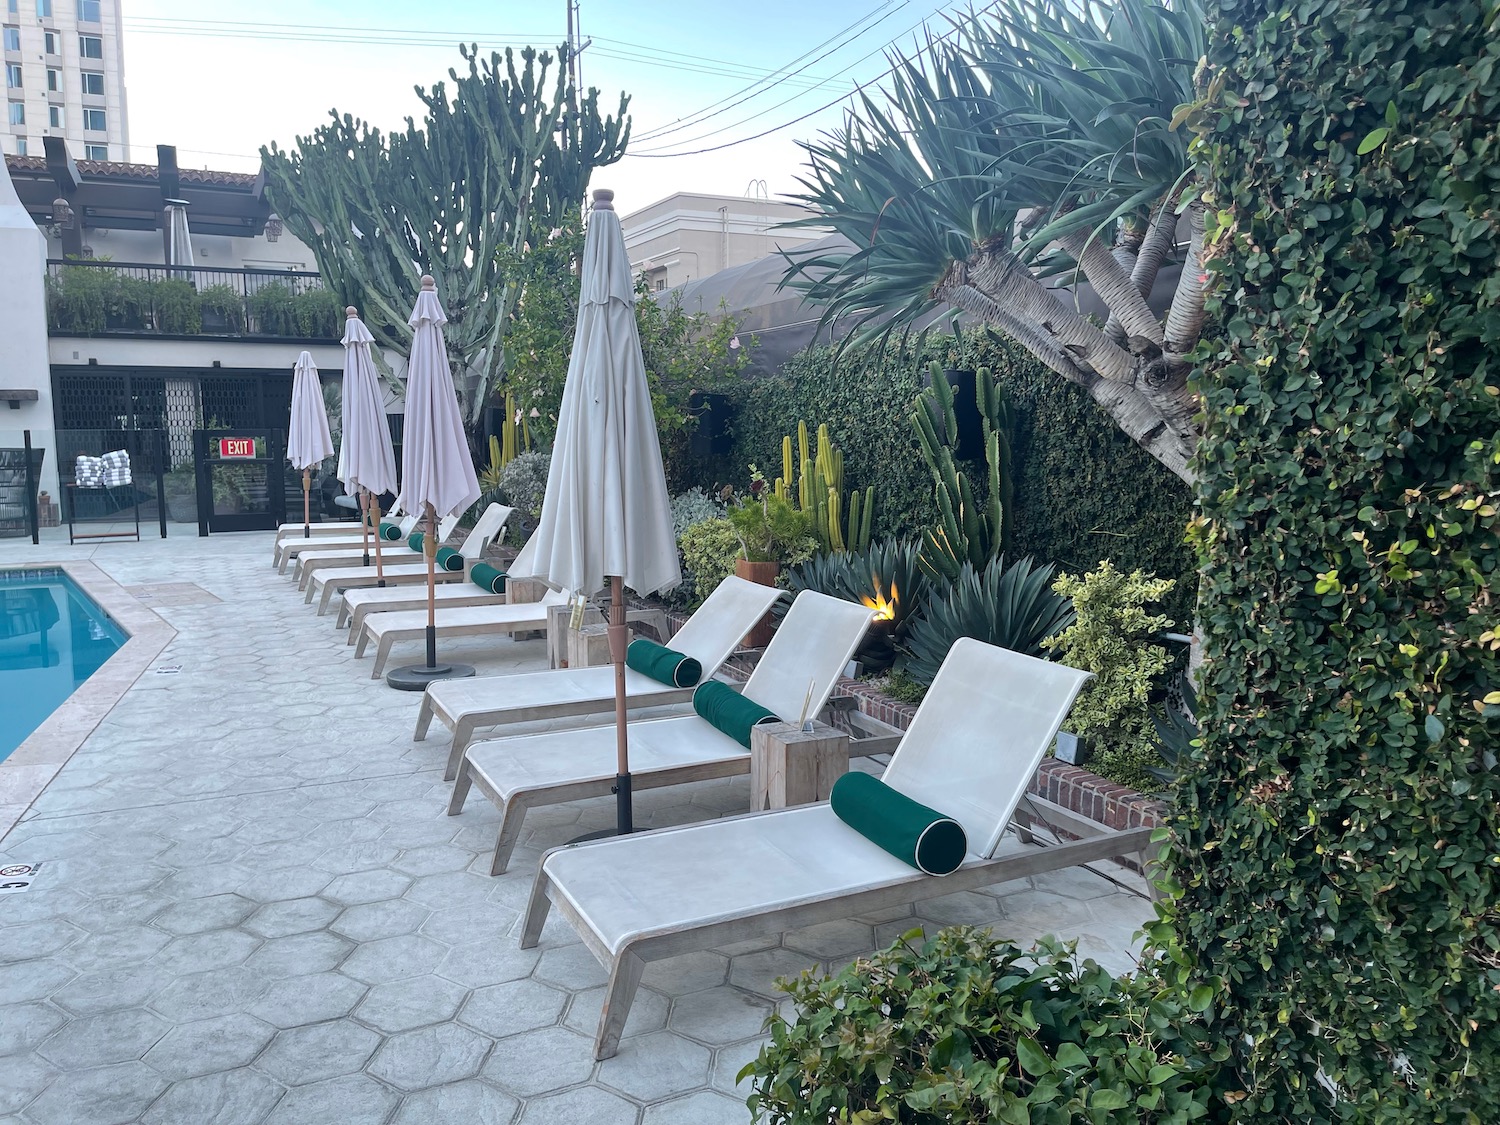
[[1011, 606], [1036, 140], [887, 578], [1176, 732]]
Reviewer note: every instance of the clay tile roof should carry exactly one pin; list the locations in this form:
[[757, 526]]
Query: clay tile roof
[[119, 170]]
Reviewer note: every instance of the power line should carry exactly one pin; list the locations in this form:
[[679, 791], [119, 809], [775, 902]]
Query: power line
[[619, 50], [741, 96], [810, 113]]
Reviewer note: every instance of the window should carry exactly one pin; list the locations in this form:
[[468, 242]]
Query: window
[[96, 152], [17, 113], [13, 76], [20, 146], [93, 120], [55, 116], [44, 8], [88, 11], [12, 38], [54, 79], [90, 47], [13, 7], [52, 43], [93, 83]]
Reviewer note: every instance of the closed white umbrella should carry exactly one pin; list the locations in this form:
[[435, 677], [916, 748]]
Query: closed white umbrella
[[437, 472], [367, 463], [606, 514], [307, 438]]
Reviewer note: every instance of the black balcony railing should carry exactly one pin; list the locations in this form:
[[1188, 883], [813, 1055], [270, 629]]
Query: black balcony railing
[[86, 298]]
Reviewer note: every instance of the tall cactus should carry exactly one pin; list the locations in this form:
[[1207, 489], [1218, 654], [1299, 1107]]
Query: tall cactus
[[967, 531], [820, 491]]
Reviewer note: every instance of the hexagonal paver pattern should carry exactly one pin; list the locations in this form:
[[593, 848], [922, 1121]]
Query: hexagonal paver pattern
[[596, 1106], [216, 912], [507, 1009], [393, 959], [372, 921], [656, 1066], [218, 1044], [26, 1025], [702, 1108], [309, 999], [303, 1055], [107, 1038], [366, 886], [233, 1097], [719, 1016], [647, 1013], [414, 1002], [355, 1100], [472, 1102], [537, 1061], [105, 1095], [430, 1056], [300, 955], [493, 961], [291, 916]]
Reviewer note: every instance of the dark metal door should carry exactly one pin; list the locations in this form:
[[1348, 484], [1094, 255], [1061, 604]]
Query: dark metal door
[[241, 485]]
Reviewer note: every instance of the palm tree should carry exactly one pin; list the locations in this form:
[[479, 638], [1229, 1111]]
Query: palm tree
[[1030, 143]]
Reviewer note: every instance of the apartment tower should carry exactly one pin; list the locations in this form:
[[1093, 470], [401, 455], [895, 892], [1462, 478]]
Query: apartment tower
[[64, 77]]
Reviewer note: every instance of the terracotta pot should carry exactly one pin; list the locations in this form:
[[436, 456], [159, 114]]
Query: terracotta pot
[[764, 574]]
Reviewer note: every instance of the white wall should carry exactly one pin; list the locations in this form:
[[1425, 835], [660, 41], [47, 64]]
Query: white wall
[[23, 317], [144, 247]]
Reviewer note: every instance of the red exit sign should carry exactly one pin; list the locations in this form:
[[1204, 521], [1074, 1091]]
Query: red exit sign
[[236, 448]]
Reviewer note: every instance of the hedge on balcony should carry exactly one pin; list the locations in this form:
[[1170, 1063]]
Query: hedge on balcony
[[1084, 491], [96, 300], [1339, 842]]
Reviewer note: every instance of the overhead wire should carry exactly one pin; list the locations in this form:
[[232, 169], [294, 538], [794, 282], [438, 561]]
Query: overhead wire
[[834, 43]]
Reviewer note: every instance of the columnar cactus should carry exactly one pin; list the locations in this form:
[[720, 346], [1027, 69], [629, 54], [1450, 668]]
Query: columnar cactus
[[820, 490]]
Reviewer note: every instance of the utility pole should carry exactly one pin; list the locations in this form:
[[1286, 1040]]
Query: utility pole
[[575, 34]]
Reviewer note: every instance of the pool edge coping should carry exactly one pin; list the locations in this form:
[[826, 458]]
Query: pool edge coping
[[32, 766]]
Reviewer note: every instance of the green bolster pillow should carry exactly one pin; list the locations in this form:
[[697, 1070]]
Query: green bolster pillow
[[390, 531], [662, 664], [487, 577], [929, 841], [449, 559], [415, 541], [729, 711]]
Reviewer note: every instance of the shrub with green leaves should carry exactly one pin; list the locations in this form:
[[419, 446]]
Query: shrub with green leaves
[[1116, 639], [772, 530], [692, 507], [1339, 827], [1013, 606], [522, 481], [967, 1029], [709, 550]]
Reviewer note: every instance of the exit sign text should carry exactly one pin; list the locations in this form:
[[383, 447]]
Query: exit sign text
[[236, 448]]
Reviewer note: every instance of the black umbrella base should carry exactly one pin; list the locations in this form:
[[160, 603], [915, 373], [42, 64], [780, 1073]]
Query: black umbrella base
[[624, 814], [417, 676]]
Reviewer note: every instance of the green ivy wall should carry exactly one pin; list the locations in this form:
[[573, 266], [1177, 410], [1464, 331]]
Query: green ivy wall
[[1084, 491], [1340, 840]]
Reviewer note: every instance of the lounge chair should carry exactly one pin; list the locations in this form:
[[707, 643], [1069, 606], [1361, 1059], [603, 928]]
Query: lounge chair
[[815, 642], [325, 583], [709, 636], [971, 750], [290, 546], [359, 604], [386, 629], [309, 562]]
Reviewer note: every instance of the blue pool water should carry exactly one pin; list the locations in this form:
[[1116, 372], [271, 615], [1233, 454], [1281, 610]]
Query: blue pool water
[[52, 638]]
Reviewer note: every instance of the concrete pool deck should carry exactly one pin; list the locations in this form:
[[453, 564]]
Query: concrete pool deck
[[252, 909]]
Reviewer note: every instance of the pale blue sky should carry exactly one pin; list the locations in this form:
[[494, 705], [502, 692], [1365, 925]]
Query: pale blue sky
[[219, 79]]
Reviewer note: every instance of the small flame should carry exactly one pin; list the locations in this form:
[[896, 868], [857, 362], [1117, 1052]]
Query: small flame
[[884, 607]]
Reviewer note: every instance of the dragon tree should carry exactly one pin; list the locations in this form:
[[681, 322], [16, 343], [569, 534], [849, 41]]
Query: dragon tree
[[1031, 148], [494, 168]]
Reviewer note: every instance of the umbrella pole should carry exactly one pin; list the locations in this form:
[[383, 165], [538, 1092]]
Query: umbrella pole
[[374, 503], [429, 548], [306, 506], [623, 811], [364, 523]]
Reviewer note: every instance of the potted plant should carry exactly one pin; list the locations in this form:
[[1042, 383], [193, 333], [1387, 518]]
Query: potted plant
[[176, 305], [273, 309], [223, 310], [772, 533]]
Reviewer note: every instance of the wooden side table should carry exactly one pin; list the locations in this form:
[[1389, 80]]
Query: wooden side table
[[790, 767]]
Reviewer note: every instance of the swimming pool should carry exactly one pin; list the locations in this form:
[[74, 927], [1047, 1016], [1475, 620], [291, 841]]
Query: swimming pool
[[53, 637]]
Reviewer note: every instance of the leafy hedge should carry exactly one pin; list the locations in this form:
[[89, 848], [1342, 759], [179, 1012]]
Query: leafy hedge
[[1084, 491], [1340, 838]]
